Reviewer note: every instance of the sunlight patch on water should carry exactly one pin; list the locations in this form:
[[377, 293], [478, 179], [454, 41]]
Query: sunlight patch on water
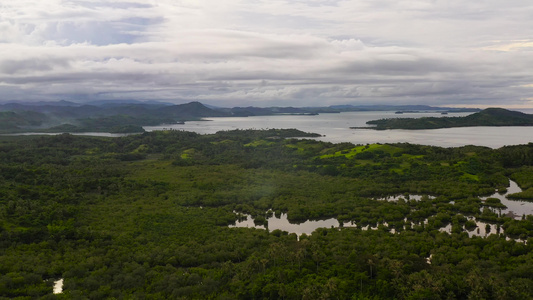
[[58, 286]]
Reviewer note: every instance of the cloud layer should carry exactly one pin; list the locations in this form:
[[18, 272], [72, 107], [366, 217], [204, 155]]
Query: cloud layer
[[300, 53]]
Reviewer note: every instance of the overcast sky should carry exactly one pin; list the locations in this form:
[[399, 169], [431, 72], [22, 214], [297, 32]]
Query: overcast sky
[[272, 52]]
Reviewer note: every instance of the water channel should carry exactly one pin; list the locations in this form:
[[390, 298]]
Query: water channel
[[514, 208]]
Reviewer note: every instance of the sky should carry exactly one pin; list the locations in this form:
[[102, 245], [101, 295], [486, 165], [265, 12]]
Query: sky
[[269, 53]]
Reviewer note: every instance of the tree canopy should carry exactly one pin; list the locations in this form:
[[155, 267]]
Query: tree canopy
[[146, 216]]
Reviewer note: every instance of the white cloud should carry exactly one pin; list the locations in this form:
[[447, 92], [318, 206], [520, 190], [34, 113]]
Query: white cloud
[[268, 52]]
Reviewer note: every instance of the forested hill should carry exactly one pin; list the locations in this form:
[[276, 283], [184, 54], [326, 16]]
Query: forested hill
[[110, 117], [487, 117]]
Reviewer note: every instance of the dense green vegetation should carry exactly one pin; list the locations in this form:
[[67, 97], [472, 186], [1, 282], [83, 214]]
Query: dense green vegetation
[[487, 117], [146, 216]]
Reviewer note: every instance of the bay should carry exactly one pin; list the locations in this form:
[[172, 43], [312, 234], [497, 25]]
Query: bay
[[335, 128]]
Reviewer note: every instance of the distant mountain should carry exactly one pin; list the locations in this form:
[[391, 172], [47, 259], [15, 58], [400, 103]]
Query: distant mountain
[[42, 103], [487, 117], [131, 115], [14, 121], [267, 111], [190, 110], [112, 117], [126, 102], [410, 108]]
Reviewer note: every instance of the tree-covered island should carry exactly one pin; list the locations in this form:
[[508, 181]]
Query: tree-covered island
[[146, 217], [486, 117]]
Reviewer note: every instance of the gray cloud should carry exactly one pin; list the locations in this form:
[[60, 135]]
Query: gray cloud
[[269, 52], [11, 67]]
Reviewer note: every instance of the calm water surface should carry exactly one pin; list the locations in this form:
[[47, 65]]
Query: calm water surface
[[514, 208], [336, 128]]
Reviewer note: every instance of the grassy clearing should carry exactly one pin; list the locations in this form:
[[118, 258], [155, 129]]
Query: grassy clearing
[[303, 146], [259, 143], [189, 153], [470, 177], [350, 153], [524, 177]]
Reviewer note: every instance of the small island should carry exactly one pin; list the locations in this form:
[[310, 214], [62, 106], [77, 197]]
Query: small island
[[486, 117]]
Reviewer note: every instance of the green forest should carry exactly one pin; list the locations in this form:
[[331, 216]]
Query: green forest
[[487, 117], [147, 216]]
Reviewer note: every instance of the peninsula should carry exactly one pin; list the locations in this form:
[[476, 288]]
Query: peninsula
[[486, 117]]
